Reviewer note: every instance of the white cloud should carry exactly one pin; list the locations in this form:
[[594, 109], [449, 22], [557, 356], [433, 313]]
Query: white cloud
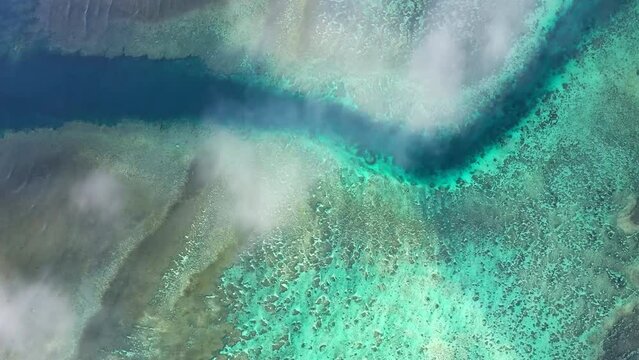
[[99, 194], [438, 65], [36, 322], [505, 21], [465, 43], [262, 194]]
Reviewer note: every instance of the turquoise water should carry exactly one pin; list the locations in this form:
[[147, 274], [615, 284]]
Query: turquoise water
[[162, 208]]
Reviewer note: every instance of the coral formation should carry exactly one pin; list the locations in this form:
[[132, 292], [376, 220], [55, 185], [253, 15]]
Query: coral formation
[[187, 241], [76, 201], [628, 218]]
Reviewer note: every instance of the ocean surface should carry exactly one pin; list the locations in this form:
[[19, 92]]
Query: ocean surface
[[159, 208]]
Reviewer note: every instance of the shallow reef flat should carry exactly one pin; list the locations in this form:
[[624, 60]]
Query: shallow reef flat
[[532, 256], [109, 228], [75, 202]]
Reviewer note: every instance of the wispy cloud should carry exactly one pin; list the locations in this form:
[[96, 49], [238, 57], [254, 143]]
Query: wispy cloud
[[36, 321], [464, 43], [262, 195], [98, 194]]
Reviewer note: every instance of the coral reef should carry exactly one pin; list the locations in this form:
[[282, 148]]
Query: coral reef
[[621, 341], [76, 201], [188, 241]]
